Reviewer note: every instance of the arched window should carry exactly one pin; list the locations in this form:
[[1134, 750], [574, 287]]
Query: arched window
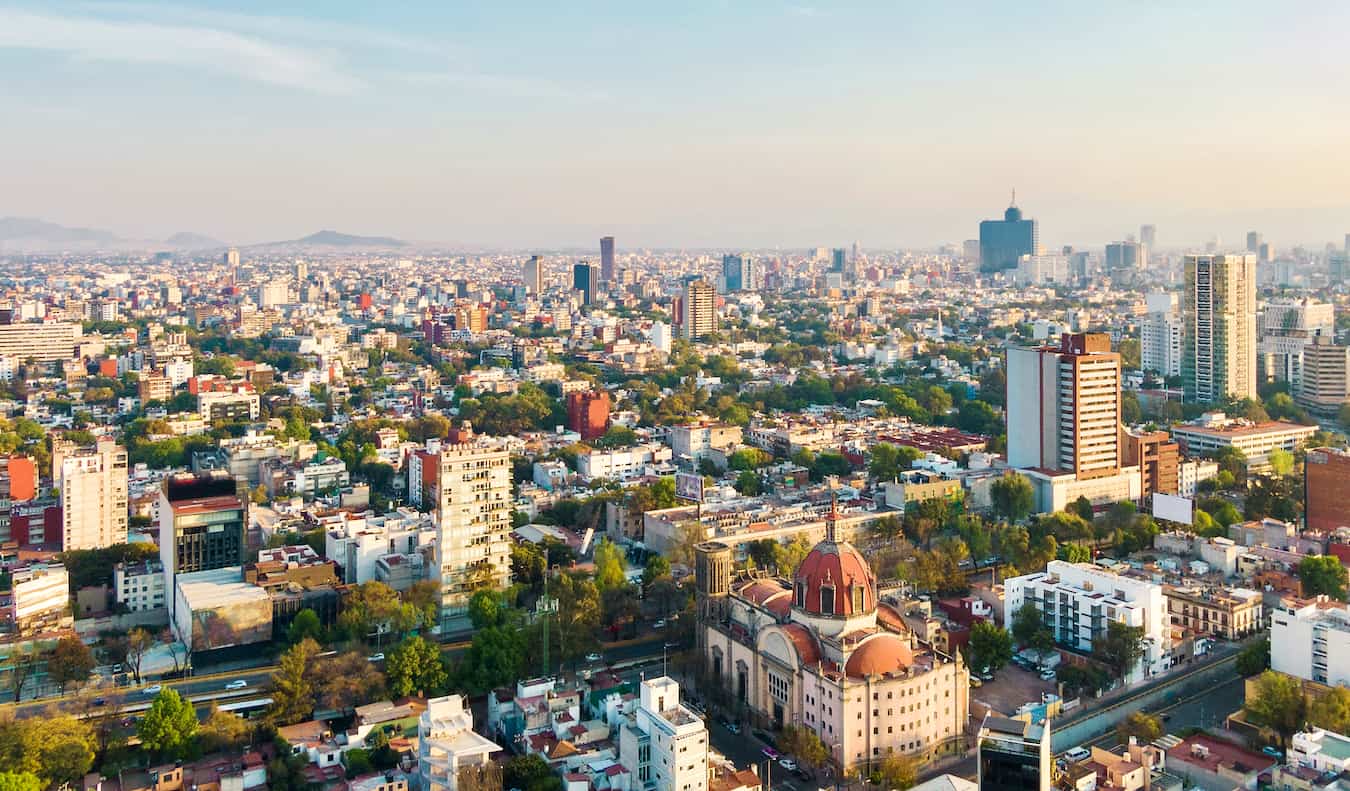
[[801, 593], [826, 600]]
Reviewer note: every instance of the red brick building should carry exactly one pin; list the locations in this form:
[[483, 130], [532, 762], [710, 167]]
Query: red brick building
[[588, 413], [1327, 489]]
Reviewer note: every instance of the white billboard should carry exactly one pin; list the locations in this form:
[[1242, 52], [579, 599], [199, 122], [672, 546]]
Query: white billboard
[[1173, 508]]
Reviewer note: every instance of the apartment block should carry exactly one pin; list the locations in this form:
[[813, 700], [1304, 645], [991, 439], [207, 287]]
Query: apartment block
[[93, 485], [1326, 489], [1217, 612], [1219, 316], [1312, 642], [40, 598], [666, 743]]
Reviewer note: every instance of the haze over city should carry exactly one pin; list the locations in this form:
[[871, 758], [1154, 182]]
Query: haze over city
[[771, 125]]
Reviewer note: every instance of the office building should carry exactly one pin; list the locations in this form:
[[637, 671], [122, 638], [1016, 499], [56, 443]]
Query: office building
[[733, 272], [1064, 407], [1161, 335], [1324, 385], [1219, 314], [469, 486], [44, 342], [1213, 431], [838, 259], [1124, 259], [448, 744], [93, 486], [40, 598], [1013, 755], [1312, 642], [1284, 328], [1077, 600], [1253, 241], [607, 259], [584, 279], [1148, 236], [533, 275], [232, 258], [698, 310], [1156, 456], [1004, 242], [202, 520], [665, 744], [1326, 489], [228, 406], [273, 294]]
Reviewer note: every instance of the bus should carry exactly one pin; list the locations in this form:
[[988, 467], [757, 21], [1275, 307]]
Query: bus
[[248, 709]]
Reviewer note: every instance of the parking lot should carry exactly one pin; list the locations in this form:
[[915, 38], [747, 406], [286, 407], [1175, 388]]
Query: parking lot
[[1012, 686]]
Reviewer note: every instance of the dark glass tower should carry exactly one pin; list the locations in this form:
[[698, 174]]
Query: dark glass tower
[[1004, 241]]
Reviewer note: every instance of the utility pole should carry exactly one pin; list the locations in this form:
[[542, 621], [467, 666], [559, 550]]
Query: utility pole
[[544, 607]]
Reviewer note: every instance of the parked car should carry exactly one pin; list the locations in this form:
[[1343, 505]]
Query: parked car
[[733, 728], [787, 763], [100, 701], [976, 682], [238, 683], [1077, 754], [153, 689], [1273, 752], [593, 657], [375, 657], [660, 624], [1047, 675]]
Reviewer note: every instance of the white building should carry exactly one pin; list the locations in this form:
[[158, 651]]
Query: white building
[[447, 742], [1312, 643], [666, 743], [692, 443], [139, 586], [1321, 750], [1161, 335], [621, 463], [1214, 430], [93, 484], [223, 405], [178, 371], [41, 594], [357, 543], [1079, 599]]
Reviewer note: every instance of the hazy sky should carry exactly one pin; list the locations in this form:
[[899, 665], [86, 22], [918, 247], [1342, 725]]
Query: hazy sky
[[678, 124]]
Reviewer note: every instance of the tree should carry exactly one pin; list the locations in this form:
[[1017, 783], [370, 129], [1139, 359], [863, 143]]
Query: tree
[[20, 781], [1065, 526], [222, 730], [530, 773], [1323, 575], [58, 748], [1277, 703], [23, 663], [1331, 711], [749, 483], [1145, 728], [897, 771], [578, 615], [170, 725], [1120, 648], [305, 625], [374, 608], [1012, 496], [1029, 629], [1281, 462], [139, 643], [1254, 659], [486, 608], [620, 606], [415, 666], [1074, 553], [888, 460], [496, 657], [1083, 507], [608, 565], [486, 776], [790, 555], [292, 688], [990, 647], [346, 680], [656, 568], [804, 744], [71, 660]]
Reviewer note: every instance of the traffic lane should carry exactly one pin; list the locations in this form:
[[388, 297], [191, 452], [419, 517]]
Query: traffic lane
[[256, 680], [745, 751]]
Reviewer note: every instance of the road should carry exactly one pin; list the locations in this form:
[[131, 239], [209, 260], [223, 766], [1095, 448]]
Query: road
[[1207, 709]]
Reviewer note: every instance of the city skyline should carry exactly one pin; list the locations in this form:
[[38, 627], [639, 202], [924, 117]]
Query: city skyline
[[766, 125]]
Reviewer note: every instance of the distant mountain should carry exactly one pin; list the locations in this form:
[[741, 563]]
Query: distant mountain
[[30, 230], [336, 239], [187, 240]]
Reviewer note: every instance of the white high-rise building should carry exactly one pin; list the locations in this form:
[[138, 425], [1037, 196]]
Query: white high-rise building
[[661, 336], [1078, 600], [1161, 335], [666, 744], [699, 310], [532, 272], [1219, 312], [273, 294], [1064, 407], [1312, 643], [93, 484], [1284, 328]]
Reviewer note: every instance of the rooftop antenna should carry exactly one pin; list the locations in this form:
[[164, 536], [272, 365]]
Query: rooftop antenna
[[1014, 197]]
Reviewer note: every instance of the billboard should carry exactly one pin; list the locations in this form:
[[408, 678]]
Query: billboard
[[235, 623], [689, 486], [1172, 508]]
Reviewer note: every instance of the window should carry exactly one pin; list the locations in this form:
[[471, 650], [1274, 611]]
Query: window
[[826, 600]]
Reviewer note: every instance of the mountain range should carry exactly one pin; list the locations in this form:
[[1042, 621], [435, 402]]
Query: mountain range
[[22, 233]]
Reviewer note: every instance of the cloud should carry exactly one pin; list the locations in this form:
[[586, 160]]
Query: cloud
[[505, 85], [194, 46]]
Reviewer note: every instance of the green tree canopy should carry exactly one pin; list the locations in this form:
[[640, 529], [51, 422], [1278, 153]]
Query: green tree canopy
[[1012, 496], [415, 666], [990, 647], [1323, 575], [1277, 703], [170, 726]]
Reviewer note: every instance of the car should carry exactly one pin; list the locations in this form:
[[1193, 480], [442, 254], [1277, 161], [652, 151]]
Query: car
[[117, 668], [733, 728], [375, 657], [1273, 752], [976, 682], [787, 763], [770, 753], [1165, 717], [153, 689], [593, 657], [1077, 754], [100, 701], [238, 683], [1048, 675], [986, 676], [660, 624]]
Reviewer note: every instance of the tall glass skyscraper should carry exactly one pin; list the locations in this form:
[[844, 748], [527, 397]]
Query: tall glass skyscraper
[[1004, 241]]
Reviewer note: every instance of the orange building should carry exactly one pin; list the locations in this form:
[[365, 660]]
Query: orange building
[[1326, 485], [588, 413]]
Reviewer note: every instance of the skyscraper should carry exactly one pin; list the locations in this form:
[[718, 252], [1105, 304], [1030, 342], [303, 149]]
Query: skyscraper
[[1219, 314], [607, 259], [471, 495], [201, 525], [698, 310], [1003, 242], [1124, 258], [533, 275], [1148, 236], [1064, 407], [584, 279], [93, 484], [232, 258], [733, 272], [838, 256], [1253, 241], [1160, 335]]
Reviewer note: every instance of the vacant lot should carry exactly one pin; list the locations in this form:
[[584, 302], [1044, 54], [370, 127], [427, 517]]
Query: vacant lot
[[1012, 686]]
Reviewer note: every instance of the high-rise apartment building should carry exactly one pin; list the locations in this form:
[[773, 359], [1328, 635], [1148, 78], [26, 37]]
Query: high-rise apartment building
[[1003, 242], [1148, 236], [1124, 258], [1161, 335], [202, 520], [733, 272], [274, 294], [607, 259], [1325, 377], [1014, 755], [1219, 314], [93, 485], [533, 275], [698, 310], [1064, 407], [44, 342], [470, 489], [232, 258], [1284, 328], [584, 279]]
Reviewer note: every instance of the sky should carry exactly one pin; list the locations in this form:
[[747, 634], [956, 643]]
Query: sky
[[686, 124]]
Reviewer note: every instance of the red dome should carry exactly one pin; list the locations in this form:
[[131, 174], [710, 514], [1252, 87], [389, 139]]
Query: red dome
[[834, 579], [879, 656]]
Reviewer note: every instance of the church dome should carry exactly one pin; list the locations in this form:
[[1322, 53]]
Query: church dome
[[834, 580], [880, 655]]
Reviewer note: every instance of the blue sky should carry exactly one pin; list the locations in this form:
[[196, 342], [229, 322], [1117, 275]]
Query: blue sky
[[678, 124]]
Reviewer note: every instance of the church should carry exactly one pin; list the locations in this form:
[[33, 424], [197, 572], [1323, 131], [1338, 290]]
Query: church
[[819, 651]]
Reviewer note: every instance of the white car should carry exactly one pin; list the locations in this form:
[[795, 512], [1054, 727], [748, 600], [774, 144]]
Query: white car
[[238, 683], [788, 764], [1077, 754], [375, 657], [592, 657], [154, 689]]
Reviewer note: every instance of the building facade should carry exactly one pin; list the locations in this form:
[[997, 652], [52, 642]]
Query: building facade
[[471, 494], [1324, 386], [665, 744], [1219, 315], [1064, 407], [202, 520], [1312, 642], [1217, 612], [698, 310], [1326, 489], [1003, 242], [93, 484]]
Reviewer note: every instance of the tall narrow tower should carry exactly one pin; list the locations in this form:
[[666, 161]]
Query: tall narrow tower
[[1219, 346]]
